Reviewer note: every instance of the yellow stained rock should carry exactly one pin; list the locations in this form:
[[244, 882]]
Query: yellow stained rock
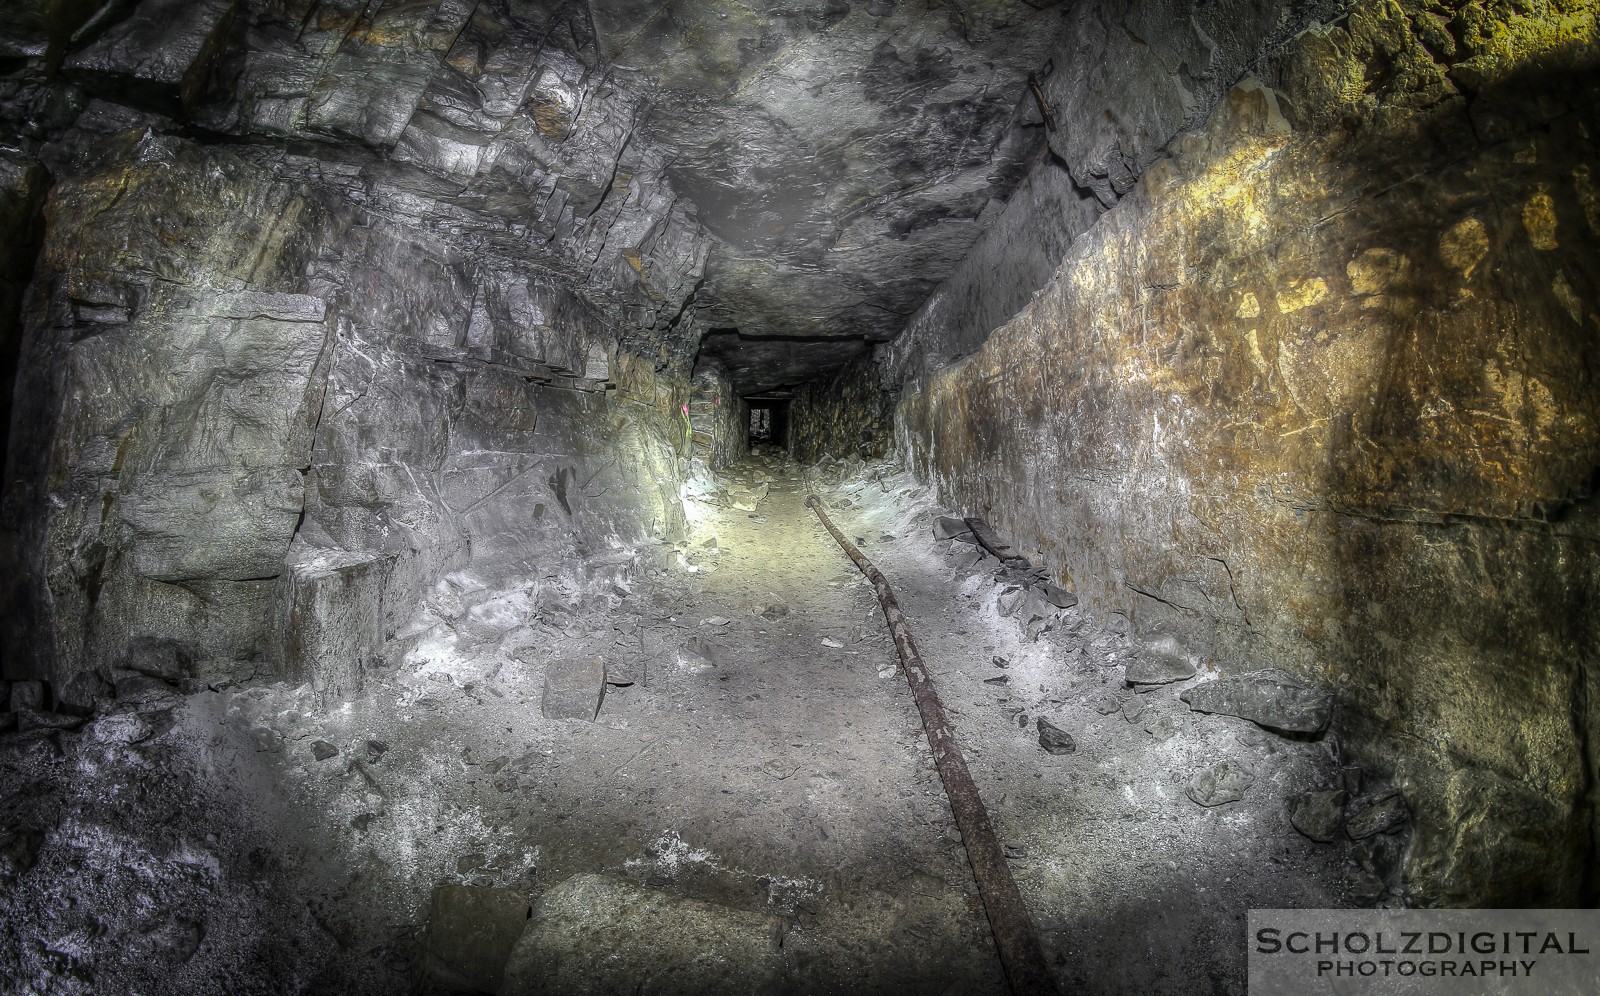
[[1539, 218], [1464, 246], [1302, 294]]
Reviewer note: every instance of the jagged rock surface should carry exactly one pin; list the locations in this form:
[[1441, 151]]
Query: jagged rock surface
[[1317, 393]]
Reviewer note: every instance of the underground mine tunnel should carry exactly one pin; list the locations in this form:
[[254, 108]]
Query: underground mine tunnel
[[424, 417]]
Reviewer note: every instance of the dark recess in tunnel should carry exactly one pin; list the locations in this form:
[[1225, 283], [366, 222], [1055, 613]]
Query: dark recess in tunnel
[[769, 421]]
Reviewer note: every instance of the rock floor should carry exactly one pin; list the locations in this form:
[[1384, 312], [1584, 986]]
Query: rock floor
[[759, 753]]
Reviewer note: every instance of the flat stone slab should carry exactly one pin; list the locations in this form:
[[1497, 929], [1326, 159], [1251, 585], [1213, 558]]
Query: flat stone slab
[[594, 935], [573, 689], [471, 932], [947, 527], [1151, 668], [1271, 698], [1056, 595], [1317, 814], [1054, 739], [1225, 781]]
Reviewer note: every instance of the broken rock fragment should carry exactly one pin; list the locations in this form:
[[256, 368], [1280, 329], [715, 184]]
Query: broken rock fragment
[[573, 689], [1270, 698], [1056, 595], [1223, 782], [1106, 704], [947, 527], [1317, 814], [1055, 740], [1152, 668], [1383, 815]]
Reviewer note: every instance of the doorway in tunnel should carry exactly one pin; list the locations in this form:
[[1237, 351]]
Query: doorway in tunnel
[[769, 421]]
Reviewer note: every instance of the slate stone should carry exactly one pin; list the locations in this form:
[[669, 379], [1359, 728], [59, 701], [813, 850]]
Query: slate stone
[[1106, 704], [1154, 668], [1055, 740], [597, 934], [1224, 782], [322, 750], [1132, 708], [1036, 607], [1317, 814], [1385, 814], [947, 527], [1270, 698], [1010, 599], [1056, 595], [573, 688]]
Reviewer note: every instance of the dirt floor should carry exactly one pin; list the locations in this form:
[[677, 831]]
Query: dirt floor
[[758, 752]]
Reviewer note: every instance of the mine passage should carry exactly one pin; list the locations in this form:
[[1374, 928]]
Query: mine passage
[[406, 582]]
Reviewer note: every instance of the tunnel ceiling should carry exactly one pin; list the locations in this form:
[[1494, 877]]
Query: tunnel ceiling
[[840, 154], [773, 366], [789, 169]]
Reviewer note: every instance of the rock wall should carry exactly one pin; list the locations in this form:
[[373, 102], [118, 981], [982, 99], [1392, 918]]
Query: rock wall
[[852, 414], [1319, 392], [256, 423], [1125, 78], [719, 420]]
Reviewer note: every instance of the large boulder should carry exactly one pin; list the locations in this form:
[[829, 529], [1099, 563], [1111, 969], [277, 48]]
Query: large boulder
[[594, 935]]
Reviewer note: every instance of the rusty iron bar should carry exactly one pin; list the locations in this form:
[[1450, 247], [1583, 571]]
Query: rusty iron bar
[[1014, 935]]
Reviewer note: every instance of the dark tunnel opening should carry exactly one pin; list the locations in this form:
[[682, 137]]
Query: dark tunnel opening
[[769, 422]]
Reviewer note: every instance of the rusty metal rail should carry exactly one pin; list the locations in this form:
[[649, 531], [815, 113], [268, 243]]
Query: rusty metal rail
[[1020, 952]]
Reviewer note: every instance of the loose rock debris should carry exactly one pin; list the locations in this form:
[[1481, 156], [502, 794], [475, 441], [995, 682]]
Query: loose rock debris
[[248, 839]]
